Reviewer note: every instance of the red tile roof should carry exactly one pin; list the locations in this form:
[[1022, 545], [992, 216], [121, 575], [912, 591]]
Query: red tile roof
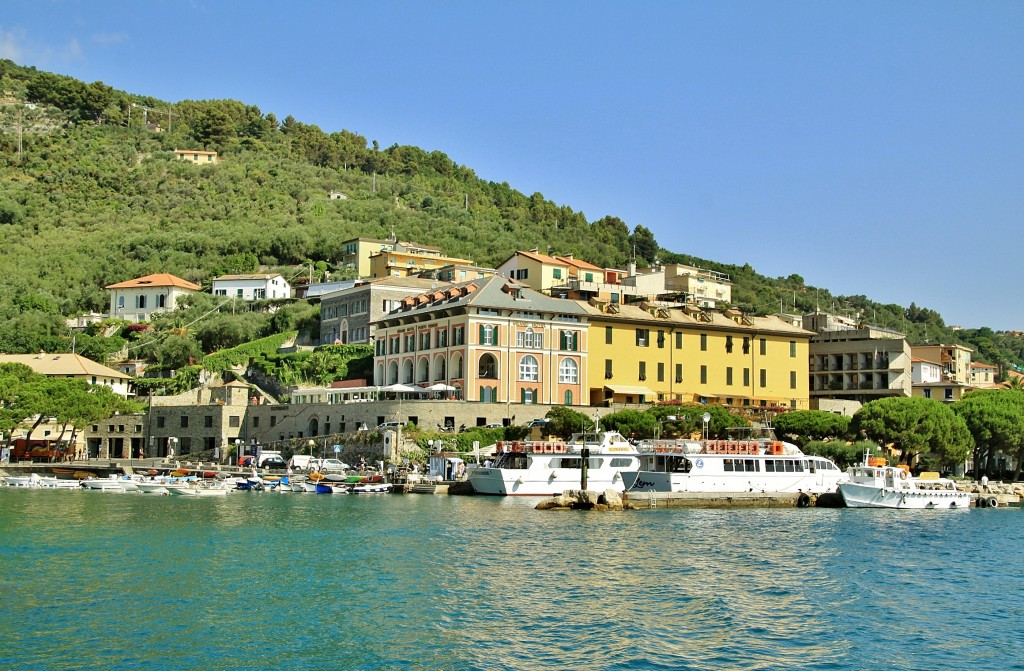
[[155, 280]]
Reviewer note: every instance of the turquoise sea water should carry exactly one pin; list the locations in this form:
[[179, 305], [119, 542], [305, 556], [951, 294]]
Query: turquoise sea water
[[95, 580]]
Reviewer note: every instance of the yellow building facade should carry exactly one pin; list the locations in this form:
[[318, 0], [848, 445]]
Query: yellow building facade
[[646, 353], [405, 260], [356, 253]]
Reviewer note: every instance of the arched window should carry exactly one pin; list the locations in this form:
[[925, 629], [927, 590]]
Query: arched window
[[529, 339], [529, 371], [568, 397], [488, 367], [568, 372]]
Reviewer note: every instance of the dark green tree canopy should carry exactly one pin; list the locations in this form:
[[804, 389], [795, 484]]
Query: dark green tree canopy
[[915, 426], [807, 425], [995, 418]]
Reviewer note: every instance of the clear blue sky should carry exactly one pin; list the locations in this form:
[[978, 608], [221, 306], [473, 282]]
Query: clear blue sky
[[872, 147]]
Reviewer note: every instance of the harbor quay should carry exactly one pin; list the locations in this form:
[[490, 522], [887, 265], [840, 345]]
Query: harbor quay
[[987, 495]]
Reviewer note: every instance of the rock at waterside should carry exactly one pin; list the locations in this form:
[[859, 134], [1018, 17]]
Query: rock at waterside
[[583, 499]]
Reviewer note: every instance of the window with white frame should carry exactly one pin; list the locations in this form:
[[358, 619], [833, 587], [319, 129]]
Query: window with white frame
[[530, 339], [529, 371], [568, 372]]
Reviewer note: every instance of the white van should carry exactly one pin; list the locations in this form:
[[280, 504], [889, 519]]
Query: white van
[[303, 462]]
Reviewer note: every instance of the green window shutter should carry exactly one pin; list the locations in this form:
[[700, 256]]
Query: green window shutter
[[522, 395], [481, 334], [495, 340]]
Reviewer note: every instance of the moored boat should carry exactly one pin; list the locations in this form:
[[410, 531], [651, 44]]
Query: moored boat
[[21, 480], [200, 489], [110, 484], [881, 486], [547, 468], [323, 487], [152, 487], [752, 460], [371, 488]]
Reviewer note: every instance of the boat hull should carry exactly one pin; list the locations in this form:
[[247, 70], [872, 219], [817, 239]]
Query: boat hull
[[765, 483], [103, 485], [866, 496], [200, 491], [531, 482], [375, 488]]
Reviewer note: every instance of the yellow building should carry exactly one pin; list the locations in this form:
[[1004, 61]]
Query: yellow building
[[649, 352], [491, 340], [955, 360], [356, 253], [405, 259], [197, 156], [538, 271]]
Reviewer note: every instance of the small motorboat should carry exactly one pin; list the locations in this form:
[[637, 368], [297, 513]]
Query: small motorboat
[[330, 488], [152, 487], [110, 484], [874, 485], [200, 491], [371, 488]]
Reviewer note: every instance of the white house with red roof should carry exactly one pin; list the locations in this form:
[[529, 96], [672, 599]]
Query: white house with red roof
[[139, 299]]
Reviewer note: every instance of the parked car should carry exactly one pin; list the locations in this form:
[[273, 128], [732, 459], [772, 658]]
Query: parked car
[[247, 460], [333, 466], [274, 463]]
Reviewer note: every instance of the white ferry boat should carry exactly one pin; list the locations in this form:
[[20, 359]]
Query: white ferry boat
[[879, 486], [754, 461], [548, 468]]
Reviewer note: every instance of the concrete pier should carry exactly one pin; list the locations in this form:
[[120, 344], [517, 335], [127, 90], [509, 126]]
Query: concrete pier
[[641, 500]]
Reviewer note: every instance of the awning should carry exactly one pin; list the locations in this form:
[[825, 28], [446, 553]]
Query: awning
[[634, 391], [400, 388]]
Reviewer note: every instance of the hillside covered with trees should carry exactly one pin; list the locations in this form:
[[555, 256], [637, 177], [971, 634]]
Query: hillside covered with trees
[[92, 195]]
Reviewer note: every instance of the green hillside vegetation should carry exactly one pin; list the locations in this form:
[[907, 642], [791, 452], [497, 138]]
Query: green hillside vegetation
[[92, 194]]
